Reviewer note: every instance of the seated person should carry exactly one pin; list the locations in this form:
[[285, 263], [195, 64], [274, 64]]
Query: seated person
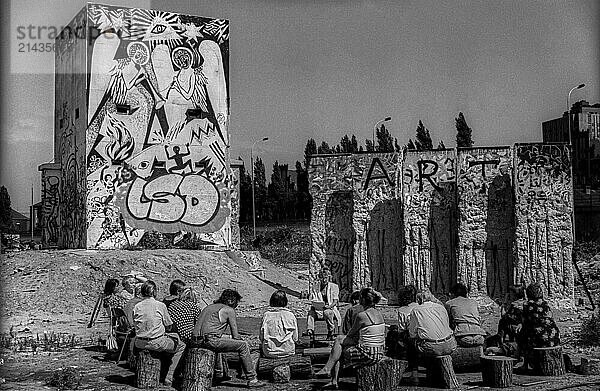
[[464, 318], [539, 329], [429, 328], [151, 321], [328, 293], [185, 312], [512, 318], [365, 343], [495, 346], [279, 330], [177, 286], [130, 282], [397, 340], [208, 332], [112, 298], [352, 312]]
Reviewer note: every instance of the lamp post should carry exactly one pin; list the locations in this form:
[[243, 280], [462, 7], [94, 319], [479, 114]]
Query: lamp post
[[252, 172], [375, 128], [569, 109]]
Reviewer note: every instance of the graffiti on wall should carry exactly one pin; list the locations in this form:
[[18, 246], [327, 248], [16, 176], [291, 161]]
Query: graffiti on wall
[[430, 226], [50, 207], [339, 240], [486, 212], [378, 249], [157, 134], [544, 191]]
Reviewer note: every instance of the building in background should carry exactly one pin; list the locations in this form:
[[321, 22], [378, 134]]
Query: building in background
[[585, 136]]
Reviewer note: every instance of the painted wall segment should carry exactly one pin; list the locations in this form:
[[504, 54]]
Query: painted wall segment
[[486, 214], [544, 206]]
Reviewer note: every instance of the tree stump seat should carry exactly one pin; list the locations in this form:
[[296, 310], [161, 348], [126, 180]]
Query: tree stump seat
[[440, 373], [385, 375], [147, 373], [549, 361], [281, 370], [497, 371], [199, 365], [467, 358]]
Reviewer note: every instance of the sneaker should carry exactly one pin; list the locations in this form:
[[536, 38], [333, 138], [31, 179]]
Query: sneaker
[[255, 383]]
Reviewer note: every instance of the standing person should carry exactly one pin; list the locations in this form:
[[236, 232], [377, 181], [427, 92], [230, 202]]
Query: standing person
[[539, 329], [152, 321], [177, 286], [365, 343], [327, 295], [185, 312], [429, 328], [464, 318], [352, 312], [279, 330], [210, 327]]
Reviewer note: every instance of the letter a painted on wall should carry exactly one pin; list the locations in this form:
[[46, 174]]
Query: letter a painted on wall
[[381, 174]]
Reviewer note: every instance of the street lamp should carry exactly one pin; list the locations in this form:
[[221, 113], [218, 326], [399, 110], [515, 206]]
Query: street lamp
[[252, 171], [569, 109], [375, 128]]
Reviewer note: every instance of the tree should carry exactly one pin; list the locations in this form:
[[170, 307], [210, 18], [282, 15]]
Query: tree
[[411, 145], [260, 187], [385, 142], [276, 193], [368, 145], [441, 145], [423, 140], [303, 198], [353, 144], [324, 148], [310, 149], [345, 144], [5, 215], [396, 145], [463, 132], [245, 195]]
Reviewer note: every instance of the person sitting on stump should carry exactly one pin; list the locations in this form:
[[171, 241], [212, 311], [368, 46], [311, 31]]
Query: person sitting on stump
[[175, 289], [185, 312], [279, 330], [539, 329], [210, 327], [397, 341], [511, 320], [327, 294], [152, 321], [429, 329], [464, 318], [112, 297], [130, 281], [365, 343], [352, 312]]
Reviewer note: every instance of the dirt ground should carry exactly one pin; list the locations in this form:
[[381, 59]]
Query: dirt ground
[[46, 292]]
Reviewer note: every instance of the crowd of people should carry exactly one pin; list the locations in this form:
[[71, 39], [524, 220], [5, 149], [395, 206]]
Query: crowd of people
[[425, 326]]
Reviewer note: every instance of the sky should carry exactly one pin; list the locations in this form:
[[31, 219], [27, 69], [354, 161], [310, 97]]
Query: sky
[[320, 69]]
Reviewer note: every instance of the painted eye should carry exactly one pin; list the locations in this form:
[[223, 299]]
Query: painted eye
[[143, 165], [158, 29]]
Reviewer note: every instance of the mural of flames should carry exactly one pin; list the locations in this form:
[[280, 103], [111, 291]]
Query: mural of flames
[[121, 143]]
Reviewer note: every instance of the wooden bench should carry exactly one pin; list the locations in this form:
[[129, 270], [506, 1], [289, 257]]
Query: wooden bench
[[386, 375], [147, 374], [497, 371], [198, 369], [440, 373], [548, 361], [280, 370]]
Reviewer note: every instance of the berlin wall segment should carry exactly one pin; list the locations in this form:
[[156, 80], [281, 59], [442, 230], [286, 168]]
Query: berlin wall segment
[[489, 217], [141, 128]]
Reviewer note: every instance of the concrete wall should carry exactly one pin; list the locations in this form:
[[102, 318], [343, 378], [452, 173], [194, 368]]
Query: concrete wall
[[50, 214], [149, 149], [543, 209], [434, 218]]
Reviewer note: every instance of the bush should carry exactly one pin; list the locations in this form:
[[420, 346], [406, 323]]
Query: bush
[[67, 379], [590, 331]]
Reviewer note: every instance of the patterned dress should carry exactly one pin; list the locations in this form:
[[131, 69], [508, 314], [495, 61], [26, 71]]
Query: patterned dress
[[539, 329]]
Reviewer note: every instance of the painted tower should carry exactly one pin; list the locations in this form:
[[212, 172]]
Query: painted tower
[[141, 129]]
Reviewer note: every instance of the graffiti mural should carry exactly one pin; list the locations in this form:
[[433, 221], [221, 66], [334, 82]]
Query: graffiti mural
[[50, 204], [430, 227], [544, 204], [339, 240], [379, 240], [156, 131], [486, 213]]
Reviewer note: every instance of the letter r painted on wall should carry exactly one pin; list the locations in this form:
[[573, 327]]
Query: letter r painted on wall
[[427, 169]]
